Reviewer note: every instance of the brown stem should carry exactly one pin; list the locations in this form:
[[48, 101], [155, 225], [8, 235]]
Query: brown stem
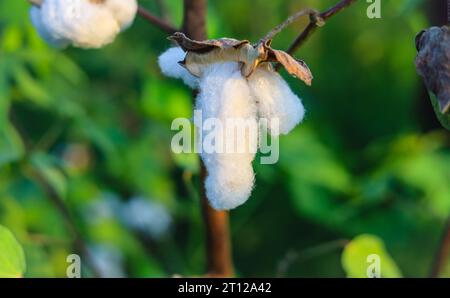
[[290, 20], [158, 22], [218, 245], [312, 26], [442, 253]]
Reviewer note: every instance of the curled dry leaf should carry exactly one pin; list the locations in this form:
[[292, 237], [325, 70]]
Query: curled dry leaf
[[201, 53], [433, 64], [293, 66]]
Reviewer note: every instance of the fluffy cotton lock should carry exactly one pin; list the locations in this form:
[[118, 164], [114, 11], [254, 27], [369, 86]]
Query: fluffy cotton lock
[[53, 40], [82, 23], [225, 95], [170, 66], [276, 101]]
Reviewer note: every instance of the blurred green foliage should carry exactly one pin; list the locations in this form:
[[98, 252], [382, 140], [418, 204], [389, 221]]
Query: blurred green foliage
[[95, 124]]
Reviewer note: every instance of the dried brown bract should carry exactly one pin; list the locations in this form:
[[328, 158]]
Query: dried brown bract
[[201, 53]]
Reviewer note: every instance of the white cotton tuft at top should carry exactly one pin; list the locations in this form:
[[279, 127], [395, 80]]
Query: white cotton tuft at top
[[169, 64], [276, 101], [83, 23], [224, 95]]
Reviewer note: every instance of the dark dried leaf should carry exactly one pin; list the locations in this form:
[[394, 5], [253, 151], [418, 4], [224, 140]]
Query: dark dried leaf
[[433, 63], [201, 53], [205, 46], [295, 67]]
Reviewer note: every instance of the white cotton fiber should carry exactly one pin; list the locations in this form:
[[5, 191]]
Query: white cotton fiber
[[36, 19], [168, 62], [86, 24], [276, 100], [225, 95], [83, 23], [124, 11]]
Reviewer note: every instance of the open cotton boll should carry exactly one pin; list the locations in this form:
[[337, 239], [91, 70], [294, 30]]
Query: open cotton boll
[[168, 63], [224, 95], [36, 19], [84, 23], [124, 11], [276, 100]]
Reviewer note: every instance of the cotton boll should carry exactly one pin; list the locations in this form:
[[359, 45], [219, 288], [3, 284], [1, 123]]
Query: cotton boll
[[225, 95], [168, 62], [276, 100], [85, 24], [124, 11], [36, 19]]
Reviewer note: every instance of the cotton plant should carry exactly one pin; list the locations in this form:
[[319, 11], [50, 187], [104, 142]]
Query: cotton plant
[[82, 23], [236, 80]]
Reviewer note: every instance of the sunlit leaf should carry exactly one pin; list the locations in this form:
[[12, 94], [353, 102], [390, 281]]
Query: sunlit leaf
[[12, 257], [11, 146], [362, 252]]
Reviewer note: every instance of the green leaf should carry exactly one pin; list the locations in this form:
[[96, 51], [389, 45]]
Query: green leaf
[[444, 119], [30, 87], [356, 257], [12, 257], [11, 146]]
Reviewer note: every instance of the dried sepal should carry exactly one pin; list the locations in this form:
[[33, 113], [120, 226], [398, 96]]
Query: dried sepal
[[195, 62], [297, 68], [202, 53], [433, 63], [205, 46]]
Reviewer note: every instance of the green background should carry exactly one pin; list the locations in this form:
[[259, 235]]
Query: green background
[[369, 158]]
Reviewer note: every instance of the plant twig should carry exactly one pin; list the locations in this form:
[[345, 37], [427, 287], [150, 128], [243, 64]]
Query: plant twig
[[293, 256], [218, 244], [307, 11], [158, 22], [442, 253], [314, 23]]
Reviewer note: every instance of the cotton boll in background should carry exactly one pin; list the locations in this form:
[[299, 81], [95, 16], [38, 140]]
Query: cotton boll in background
[[124, 11], [276, 100], [83, 23], [36, 19], [103, 208], [86, 24], [168, 62], [107, 260], [146, 216], [224, 94]]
